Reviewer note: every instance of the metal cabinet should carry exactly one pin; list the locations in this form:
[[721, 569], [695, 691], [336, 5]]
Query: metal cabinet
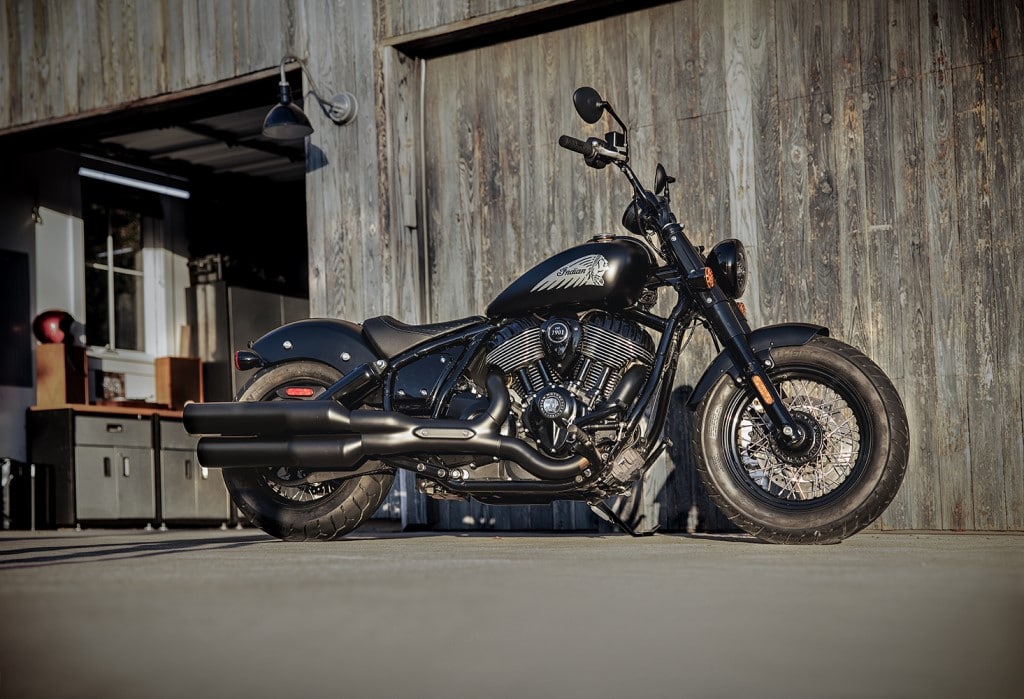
[[188, 491], [114, 468], [103, 463], [111, 466]]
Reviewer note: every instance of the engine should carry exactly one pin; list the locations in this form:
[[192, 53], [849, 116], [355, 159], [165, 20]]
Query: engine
[[564, 369]]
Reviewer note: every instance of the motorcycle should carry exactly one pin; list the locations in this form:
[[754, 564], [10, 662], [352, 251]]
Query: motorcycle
[[561, 392]]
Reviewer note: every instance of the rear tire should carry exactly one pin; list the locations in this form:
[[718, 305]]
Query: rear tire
[[302, 512], [833, 490]]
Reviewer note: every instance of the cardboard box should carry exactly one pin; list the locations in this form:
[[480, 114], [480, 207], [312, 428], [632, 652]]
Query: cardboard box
[[62, 375], [179, 380]]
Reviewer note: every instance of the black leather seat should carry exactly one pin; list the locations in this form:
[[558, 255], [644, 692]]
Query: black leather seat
[[391, 337]]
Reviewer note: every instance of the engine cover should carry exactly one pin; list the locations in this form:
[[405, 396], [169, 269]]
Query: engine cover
[[564, 367], [552, 411]]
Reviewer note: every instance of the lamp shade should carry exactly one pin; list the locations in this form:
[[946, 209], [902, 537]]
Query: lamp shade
[[286, 122]]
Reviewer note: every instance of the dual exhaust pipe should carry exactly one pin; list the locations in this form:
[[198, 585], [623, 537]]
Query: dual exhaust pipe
[[325, 435]]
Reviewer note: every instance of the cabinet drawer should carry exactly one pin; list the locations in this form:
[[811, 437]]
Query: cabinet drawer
[[174, 436], [111, 430]]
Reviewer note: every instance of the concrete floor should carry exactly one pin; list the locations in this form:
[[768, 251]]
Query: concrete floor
[[202, 613]]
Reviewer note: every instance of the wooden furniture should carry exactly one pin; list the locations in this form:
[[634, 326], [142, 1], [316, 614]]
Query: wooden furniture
[[178, 380]]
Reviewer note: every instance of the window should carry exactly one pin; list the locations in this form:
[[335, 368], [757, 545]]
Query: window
[[114, 277]]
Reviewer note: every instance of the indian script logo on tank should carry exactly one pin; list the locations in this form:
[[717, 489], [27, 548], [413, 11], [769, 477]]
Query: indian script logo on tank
[[586, 271]]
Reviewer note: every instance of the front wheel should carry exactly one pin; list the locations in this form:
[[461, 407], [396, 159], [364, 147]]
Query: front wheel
[[276, 500], [836, 485]]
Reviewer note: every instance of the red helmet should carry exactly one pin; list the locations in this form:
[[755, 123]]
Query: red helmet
[[53, 326]]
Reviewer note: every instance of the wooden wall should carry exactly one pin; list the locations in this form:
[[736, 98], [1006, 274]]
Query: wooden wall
[[867, 152], [71, 58], [409, 17]]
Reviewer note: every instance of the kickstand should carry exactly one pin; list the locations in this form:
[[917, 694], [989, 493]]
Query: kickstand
[[608, 515]]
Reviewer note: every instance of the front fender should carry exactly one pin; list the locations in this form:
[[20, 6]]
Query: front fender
[[325, 340], [762, 341]]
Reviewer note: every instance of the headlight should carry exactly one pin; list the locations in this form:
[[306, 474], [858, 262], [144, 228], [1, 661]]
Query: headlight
[[728, 260]]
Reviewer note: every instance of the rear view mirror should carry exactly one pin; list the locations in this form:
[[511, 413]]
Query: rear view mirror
[[589, 104]]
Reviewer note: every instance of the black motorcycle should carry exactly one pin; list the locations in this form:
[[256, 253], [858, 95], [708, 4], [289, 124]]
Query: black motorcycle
[[561, 392]]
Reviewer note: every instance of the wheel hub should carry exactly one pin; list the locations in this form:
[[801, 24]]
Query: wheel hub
[[806, 449]]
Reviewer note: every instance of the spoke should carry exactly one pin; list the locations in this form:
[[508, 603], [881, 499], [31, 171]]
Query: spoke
[[788, 480]]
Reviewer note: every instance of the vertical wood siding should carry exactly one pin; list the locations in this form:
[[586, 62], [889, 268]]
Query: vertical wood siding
[[71, 57], [868, 153]]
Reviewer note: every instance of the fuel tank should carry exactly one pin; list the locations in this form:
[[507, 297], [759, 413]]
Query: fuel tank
[[607, 273]]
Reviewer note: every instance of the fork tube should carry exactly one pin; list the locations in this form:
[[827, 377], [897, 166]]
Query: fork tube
[[732, 330]]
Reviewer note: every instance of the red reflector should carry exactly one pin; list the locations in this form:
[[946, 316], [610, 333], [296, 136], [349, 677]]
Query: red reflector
[[299, 392]]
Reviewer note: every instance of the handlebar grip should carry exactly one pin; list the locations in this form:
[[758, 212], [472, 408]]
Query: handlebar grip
[[576, 145]]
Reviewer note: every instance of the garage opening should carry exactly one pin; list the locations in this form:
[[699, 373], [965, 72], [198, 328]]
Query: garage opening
[[170, 228]]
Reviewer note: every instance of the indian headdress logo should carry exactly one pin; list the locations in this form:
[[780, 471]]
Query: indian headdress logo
[[586, 271]]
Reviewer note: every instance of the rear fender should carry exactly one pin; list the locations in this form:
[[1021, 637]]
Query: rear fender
[[762, 341], [337, 343]]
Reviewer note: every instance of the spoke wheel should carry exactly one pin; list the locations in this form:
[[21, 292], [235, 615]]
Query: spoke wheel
[[844, 474], [289, 503], [830, 414]]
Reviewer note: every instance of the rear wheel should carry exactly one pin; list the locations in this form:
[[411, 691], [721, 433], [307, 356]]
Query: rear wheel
[[840, 481], [276, 500]]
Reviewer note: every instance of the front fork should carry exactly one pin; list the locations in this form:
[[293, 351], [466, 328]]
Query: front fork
[[732, 329]]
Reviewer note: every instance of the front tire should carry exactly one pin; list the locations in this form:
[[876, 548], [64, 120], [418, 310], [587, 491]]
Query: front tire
[[303, 511], [828, 492]]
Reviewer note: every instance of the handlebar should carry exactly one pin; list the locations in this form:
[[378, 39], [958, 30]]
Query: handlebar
[[592, 149], [584, 148]]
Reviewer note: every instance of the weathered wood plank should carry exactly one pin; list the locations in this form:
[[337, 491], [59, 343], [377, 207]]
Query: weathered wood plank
[[225, 31], [128, 48], [919, 497], [785, 274], [148, 30], [687, 58], [982, 321], [171, 68], [851, 205], [1013, 143], [400, 225], [711, 66], [1007, 248], [952, 448], [511, 171], [821, 241], [885, 317], [51, 66], [31, 27]]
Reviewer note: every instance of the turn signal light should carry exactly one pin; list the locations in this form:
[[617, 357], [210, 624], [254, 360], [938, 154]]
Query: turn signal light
[[701, 279], [742, 308]]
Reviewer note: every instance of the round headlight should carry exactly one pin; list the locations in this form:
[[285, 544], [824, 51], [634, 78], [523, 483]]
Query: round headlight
[[728, 260]]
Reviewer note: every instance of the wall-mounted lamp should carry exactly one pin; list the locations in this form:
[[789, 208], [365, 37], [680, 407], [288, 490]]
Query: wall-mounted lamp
[[286, 121]]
